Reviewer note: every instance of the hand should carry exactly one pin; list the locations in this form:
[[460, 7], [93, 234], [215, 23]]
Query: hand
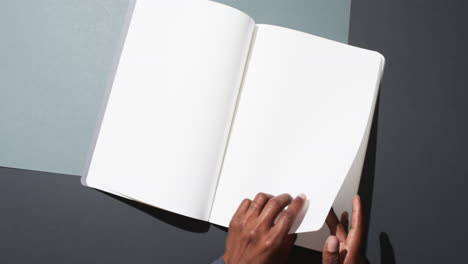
[[343, 246], [254, 237]]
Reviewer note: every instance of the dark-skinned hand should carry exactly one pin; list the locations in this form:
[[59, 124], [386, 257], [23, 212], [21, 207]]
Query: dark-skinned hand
[[343, 246], [254, 237]]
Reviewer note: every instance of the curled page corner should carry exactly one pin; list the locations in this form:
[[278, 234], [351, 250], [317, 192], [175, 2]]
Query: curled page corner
[[316, 239]]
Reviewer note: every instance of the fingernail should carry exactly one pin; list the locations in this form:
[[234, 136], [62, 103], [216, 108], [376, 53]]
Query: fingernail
[[332, 244], [302, 196]]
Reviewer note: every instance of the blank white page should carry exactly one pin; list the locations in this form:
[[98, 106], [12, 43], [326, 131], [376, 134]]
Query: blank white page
[[302, 115], [170, 109]]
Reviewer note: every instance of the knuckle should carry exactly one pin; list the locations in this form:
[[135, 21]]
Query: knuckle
[[253, 233], [256, 232], [234, 223], [269, 242], [274, 203], [255, 204], [288, 216]]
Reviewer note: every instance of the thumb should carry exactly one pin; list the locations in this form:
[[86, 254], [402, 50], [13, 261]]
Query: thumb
[[331, 251]]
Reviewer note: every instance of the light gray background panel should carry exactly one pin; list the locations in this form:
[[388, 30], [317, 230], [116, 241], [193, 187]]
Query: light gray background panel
[[326, 18], [57, 59]]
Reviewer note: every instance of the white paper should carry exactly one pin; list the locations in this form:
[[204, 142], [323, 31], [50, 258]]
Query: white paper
[[302, 116], [170, 109], [343, 201]]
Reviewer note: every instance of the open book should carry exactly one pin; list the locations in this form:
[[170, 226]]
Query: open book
[[207, 108]]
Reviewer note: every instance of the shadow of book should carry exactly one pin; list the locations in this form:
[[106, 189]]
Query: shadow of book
[[176, 220], [366, 185]]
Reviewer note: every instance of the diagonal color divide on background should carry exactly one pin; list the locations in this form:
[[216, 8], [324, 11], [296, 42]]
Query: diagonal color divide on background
[[56, 59], [325, 18]]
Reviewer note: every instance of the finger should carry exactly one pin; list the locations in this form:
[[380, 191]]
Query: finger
[[335, 226], [239, 214], [345, 221], [288, 216], [273, 207], [245, 204], [331, 251], [353, 242], [256, 206]]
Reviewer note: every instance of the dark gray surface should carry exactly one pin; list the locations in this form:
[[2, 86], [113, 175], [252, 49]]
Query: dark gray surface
[[420, 196], [414, 182], [48, 218]]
